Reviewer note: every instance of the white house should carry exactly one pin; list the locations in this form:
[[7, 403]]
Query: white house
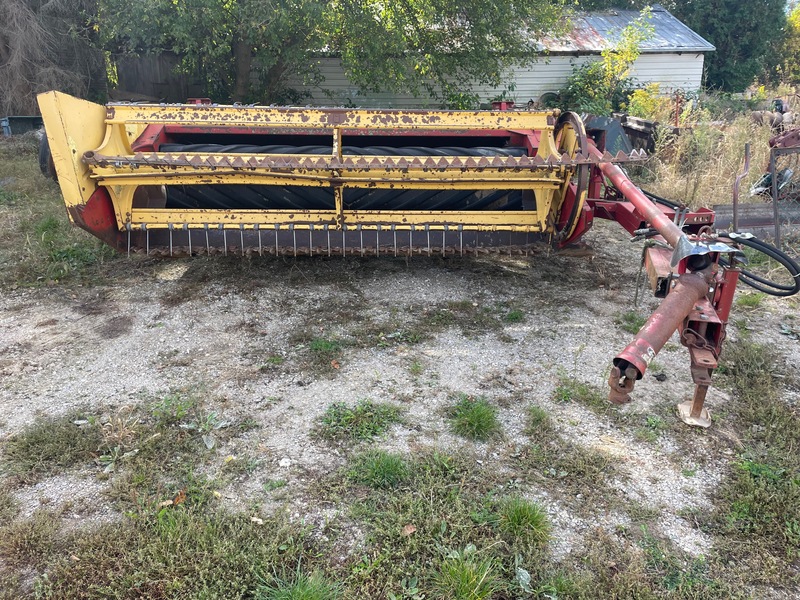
[[672, 57]]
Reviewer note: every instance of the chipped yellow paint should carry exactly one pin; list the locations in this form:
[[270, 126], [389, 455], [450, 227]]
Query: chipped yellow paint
[[77, 128]]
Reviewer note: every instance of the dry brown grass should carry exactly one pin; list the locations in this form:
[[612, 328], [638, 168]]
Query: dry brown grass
[[699, 166]]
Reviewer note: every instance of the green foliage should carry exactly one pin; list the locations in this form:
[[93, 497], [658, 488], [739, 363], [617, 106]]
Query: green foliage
[[464, 575], [522, 519], [364, 421], [742, 32], [790, 47], [300, 587], [601, 87], [474, 418], [252, 50], [647, 103], [379, 469]]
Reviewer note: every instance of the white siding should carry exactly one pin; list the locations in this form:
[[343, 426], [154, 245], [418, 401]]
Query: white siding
[[672, 71]]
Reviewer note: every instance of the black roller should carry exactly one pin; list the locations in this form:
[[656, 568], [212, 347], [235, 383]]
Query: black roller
[[262, 197]]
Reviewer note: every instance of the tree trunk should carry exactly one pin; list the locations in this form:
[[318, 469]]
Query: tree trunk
[[243, 60]]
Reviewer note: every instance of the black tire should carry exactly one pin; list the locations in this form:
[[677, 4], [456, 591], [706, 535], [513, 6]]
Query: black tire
[[46, 165]]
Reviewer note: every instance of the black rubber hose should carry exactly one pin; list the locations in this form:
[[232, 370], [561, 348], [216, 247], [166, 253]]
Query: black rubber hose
[[659, 200], [760, 283]]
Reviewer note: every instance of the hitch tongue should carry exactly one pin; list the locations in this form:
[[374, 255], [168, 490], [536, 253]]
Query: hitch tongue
[[632, 362]]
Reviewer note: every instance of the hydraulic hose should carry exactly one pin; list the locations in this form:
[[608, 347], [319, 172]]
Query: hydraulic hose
[[760, 283]]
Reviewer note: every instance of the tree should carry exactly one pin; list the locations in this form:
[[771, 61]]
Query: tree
[[599, 87], [789, 51], [743, 32], [251, 50], [44, 46]]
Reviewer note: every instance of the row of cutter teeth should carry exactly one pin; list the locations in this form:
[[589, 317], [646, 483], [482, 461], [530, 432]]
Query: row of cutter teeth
[[334, 163], [433, 245], [338, 251]]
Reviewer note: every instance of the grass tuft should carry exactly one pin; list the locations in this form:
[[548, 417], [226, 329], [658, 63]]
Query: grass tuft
[[379, 469], [364, 421], [539, 420], [300, 587], [524, 520], [465, 576], [474, 418], [750, 300], [514, 316], [31, 541]]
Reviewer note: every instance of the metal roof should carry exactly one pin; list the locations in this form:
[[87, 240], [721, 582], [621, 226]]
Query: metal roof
[[593, 32]]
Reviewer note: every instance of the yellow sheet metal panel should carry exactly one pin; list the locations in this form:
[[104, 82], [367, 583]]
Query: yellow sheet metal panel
[[73, 126], [525, 221], [329, 118]]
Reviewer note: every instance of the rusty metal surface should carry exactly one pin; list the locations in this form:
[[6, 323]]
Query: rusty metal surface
[[277, 162], [632, 362], [668, 230], [593, 32]]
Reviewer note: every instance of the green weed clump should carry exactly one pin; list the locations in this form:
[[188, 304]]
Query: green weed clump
[[379, 469], [630, 321], [466, 576], [364, 421], [300, 587], [523, 520], [474, 418]]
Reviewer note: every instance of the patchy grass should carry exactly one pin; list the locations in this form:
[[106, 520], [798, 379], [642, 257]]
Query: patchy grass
[[572, 390], [364, 421], [757, 512], [652, 428], [634, 564], [52, 445], [539, 420], [750, 300], [416, 369], [474, 418], [37, 242], [439, 511], [514, 316], [469, 316], [379, 469], [175, 552], [630, 321], [30, 542], [8, 506]]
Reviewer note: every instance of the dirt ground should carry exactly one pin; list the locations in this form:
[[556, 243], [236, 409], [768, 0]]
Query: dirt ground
[[237, 332]]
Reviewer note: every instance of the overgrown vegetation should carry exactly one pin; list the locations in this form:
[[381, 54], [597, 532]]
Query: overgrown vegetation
[[758, 508], [37, 243]]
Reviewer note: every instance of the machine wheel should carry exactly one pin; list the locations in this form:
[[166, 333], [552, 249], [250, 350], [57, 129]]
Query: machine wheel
[[570, 136], [46, 165]]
